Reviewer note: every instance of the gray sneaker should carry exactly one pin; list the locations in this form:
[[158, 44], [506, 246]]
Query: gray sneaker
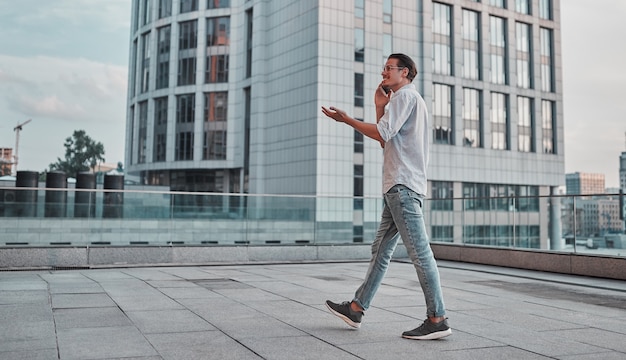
[[345, 312], [429, 331]]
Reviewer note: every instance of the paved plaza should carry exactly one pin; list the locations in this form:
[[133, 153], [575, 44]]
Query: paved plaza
[[277, 311]]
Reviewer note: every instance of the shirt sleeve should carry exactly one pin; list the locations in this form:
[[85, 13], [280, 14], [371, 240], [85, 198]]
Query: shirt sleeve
[[398, 112]]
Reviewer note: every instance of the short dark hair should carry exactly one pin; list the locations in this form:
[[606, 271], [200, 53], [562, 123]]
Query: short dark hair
[[407, 62]]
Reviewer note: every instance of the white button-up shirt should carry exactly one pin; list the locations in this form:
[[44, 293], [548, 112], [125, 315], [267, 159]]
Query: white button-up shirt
[[404, 128]]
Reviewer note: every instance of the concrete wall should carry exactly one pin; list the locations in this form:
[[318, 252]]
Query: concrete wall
[[121, 256], [611, 267]]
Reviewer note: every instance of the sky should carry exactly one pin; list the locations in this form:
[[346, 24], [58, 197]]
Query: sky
[[64, 64]]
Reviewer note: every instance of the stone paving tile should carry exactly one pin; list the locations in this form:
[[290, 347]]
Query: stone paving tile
[[270, 311], [90, 318], [8, 297], [30, 354], [103, 342], [61, 301], [296, 347], [168, 321], [200, 346]]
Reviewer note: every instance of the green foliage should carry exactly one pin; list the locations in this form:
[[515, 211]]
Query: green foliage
[[81, 154]]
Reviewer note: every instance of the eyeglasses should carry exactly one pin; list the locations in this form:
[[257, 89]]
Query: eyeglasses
[[389, 67]]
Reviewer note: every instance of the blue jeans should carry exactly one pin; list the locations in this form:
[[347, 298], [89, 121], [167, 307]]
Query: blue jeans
[[402, 213]]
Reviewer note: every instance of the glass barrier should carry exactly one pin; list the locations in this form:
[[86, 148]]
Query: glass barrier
[[591, 224]]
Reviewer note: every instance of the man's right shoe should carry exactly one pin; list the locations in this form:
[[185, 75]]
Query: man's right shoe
[[345, 312], [429, 331]]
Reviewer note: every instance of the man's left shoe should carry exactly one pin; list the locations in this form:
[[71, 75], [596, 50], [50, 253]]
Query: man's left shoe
[[429, 331], [345, 313]]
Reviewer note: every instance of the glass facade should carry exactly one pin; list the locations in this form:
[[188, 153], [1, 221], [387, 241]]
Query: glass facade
[[525, 139], [442, 114], [207, 111], [498, 50], [499, 121], [472, 128], [442, 39], [471, 45], [547, 80], [524, 58]]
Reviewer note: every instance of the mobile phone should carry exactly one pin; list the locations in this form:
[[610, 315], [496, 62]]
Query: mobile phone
[[386, 89]]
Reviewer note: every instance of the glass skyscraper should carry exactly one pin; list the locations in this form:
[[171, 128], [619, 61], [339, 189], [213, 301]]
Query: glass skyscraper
[[225, 96]]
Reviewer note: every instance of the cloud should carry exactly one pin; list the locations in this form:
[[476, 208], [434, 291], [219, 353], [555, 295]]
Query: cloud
[[107, 15], [50, 106], [63, 89]]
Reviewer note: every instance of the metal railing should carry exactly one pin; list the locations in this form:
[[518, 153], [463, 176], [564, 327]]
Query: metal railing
[[144, 216]]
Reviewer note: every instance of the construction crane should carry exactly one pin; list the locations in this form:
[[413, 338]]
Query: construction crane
[[17, 130]]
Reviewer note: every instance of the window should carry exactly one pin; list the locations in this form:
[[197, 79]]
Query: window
[[528, 198], [145, 64], [498, 3], [545, 9], [133, 70], [163, 57], [187, 44], [527, 236], [249, 43], [187, 71], [136, 13], [547, 119], [165, 8], [143, 132], [471, 118], [358, 90], [442, 114], [184, 145], [218, 31], [441, 233], [216, 69], [218, 41], [476, 196], [502, 197], [133, 160], [523, 7], [497, 28], [188, 37], [442, 43], [217, 4], [471, 45], [185, 108], [387, 11], [358, 142], [442, 195], [185, 115], [499, 122], [215, 125], [547, 81], [358, 180], [359, 9], [146, 12], [357, 202], [188, 5], [160, 128], [523, 46], [359, 45], [525, 139]]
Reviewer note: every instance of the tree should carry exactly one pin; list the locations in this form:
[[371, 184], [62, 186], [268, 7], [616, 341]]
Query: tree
[[81, 154]]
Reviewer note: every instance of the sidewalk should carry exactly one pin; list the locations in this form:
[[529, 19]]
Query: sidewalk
[[276, 311]]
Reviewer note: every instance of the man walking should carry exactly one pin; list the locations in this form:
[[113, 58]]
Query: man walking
[[402, 130]]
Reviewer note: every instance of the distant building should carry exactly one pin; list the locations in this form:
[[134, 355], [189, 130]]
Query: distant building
[[584, 183], [622, 171], [6, 161]]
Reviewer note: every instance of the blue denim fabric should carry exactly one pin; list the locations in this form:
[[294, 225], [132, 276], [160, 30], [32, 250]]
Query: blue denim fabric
[[402, 213]]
